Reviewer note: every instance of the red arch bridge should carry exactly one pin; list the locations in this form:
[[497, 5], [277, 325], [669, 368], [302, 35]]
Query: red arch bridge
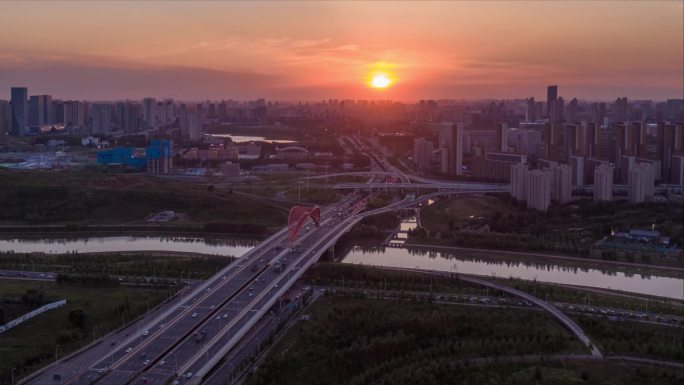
[[298, 216]]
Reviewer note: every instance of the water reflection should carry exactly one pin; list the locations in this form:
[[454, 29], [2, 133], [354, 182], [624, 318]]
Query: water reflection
[[220, 246], [543, 272]]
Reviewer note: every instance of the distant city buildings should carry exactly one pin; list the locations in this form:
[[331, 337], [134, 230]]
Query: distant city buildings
[[422, 152], [19, 103], [451, 146], [641, 183], [101, 115], [603, 183]]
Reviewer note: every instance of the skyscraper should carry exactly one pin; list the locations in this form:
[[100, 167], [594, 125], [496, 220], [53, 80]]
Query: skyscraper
[[551, 96], [641, 183], [530, 115], [538, 189], [19, 110], [562, 184], [422, 152], [74, 116], [40, 110], [451, 140], [150, 112], [5, 119], [621, 109], [102, 116], [502, 137], [518, 181], [572, 111], [603, 182]]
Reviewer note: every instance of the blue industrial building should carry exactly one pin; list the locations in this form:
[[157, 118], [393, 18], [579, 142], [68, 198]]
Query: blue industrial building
[[157, 158]]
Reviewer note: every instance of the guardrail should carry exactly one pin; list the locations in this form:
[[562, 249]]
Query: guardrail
[[31, 314]]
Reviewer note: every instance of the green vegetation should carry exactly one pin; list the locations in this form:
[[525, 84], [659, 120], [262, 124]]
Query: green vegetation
[[634, 338], [363, 277], [140, 264], [86, 197], [88, 314], [498, 222], [362, 341], [556, 293]]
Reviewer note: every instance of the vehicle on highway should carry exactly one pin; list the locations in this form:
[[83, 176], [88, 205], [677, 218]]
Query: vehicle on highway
[[146, 332], [188, 375], [146, 362], [194, 315], [128, 350]]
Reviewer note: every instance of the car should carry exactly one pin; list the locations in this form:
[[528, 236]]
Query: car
[[211, 307], [194, 315], [128, 350], [176, 382], [251, 294], [162, 362], [188, 375], [261, 261], [218, 317], [42, 275], [101, 370], [49, 276], [146, 362], [225, 316], [146, 332]]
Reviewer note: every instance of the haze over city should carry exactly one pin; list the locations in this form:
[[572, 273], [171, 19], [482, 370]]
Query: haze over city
[[241, 50], [341, 192]]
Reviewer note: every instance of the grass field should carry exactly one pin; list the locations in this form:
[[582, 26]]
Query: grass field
[[32, 344], [89, 197], [461, 210], [364, 341]]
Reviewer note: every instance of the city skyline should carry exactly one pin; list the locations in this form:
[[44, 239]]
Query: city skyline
[[594, 51]]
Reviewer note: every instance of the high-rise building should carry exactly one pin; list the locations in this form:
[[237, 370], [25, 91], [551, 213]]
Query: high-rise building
[[127, 116], [5, 119], [19, 110], [150, 113], [451, 141], [74, 116], [603, 182], [530, 114], [551, 96], [621, 112], [558, 111], [599, 112], [502, 137], [191, 121], [422, 152], [641, 183], [676, 170], [101, 115], [577, 165], [562, 184], [159, 157], [40, 110], [538, 189], [572, 111], [519, 181]]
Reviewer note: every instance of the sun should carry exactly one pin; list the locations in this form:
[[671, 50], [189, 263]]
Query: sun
[[380, 80]]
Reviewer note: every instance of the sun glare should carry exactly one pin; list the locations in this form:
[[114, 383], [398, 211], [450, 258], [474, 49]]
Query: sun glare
[[380, 81]]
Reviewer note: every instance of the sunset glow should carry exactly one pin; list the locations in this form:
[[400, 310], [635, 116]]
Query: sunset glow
[[380, 81], [455, 49]]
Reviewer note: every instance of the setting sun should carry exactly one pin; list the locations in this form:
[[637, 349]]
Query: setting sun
[[380, 81]]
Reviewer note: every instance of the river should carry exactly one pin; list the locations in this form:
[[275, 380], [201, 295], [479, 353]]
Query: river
[[219, 246], [390, 256]]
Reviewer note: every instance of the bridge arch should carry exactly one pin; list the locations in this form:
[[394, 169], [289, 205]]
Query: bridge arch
[[297, 217]]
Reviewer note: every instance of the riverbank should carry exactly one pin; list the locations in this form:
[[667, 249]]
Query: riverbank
[[541, 258]]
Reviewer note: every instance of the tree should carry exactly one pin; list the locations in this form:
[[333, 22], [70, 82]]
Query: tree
[[78, 318]]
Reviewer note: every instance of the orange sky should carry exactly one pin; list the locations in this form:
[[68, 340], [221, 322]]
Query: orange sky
[[313, 50]]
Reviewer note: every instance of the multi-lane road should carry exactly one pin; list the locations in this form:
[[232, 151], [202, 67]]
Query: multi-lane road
[[194, 332]]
